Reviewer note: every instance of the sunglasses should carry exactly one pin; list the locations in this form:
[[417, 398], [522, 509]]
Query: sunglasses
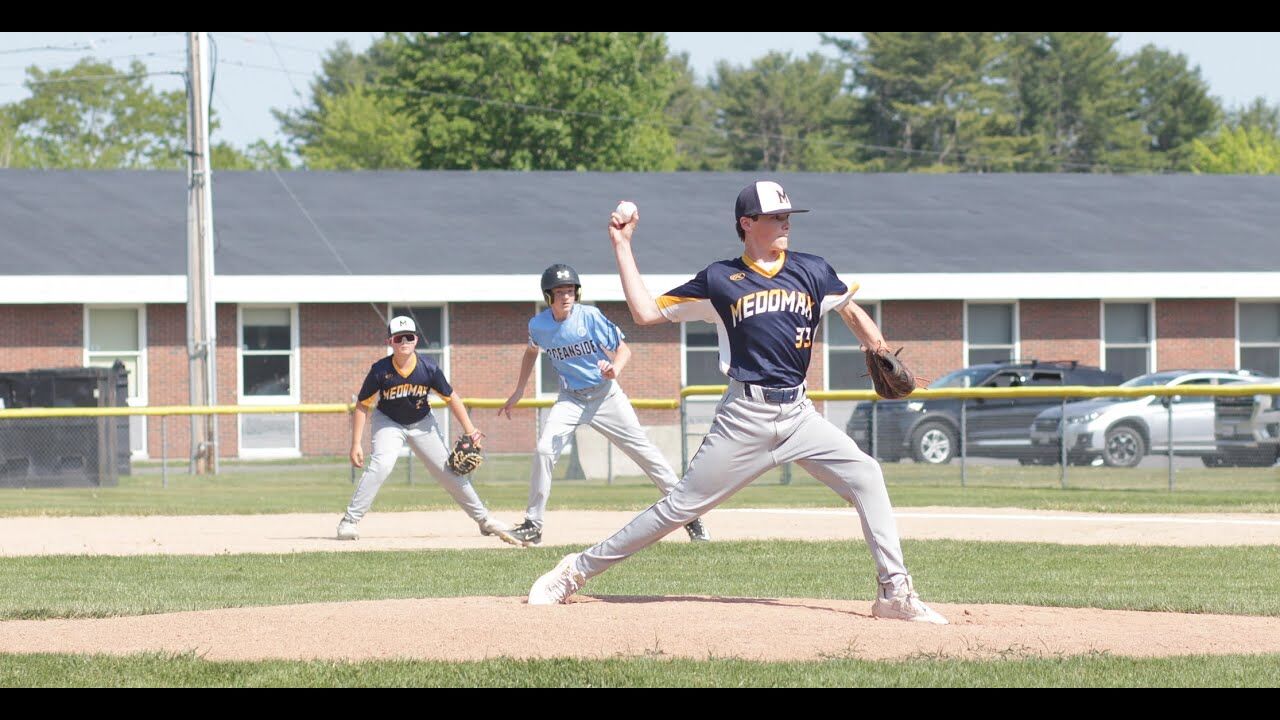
[[404, 338]]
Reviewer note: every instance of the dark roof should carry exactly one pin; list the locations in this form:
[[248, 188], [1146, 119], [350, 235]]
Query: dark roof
[[435, 223]]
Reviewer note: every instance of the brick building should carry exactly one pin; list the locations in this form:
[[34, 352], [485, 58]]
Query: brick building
[[1134, 273]]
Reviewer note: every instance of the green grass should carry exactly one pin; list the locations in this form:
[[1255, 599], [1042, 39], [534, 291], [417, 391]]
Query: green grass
[[278, 487], [153, 670], [1230, 580]]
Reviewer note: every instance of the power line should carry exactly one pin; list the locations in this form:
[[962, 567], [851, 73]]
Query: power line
[[280, 60], [85, 78], [249, 40], [88, 45], [268, 68], [112, 57]]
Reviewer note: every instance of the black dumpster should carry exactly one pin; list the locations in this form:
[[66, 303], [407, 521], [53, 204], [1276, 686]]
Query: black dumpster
[[64, 452]]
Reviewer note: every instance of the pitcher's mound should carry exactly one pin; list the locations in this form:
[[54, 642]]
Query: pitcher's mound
[[476, 628]]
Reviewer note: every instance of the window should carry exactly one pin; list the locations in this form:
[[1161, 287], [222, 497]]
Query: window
[[990, 332], [431, 329], [1127, 338], [702, 354], [432, 342], [846, 364], [113, 334], [268, 376], [1260, 337], [548, 378]]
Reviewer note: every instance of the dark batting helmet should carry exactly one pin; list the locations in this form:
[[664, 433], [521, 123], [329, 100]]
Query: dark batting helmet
[[557, 275]]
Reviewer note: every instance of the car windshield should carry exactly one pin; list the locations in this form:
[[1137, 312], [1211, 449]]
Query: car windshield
[[968, 377], [1144, 381]]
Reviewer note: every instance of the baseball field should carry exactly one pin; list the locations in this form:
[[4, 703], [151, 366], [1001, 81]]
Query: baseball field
[[237, 581]]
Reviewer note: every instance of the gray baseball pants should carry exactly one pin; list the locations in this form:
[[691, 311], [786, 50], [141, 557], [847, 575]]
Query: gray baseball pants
[[427, 443], [749, 437], [606, 408]]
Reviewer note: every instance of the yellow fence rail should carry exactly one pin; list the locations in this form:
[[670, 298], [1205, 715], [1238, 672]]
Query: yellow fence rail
[[1046, 391]]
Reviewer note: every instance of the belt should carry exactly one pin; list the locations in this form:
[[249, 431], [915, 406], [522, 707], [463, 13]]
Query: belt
[[591, 390], [777, 396]]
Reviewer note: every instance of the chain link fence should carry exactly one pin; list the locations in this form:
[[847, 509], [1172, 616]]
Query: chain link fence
[[1096, 437]]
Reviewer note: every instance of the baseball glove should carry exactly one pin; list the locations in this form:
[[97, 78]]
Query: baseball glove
[[466, 456], [891, 377]]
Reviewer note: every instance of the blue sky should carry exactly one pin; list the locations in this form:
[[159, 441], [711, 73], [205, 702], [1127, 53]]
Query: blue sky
[[259, 71]]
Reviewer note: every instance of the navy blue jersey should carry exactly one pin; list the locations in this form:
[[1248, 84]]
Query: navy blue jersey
[[766, 320], [404, 395]]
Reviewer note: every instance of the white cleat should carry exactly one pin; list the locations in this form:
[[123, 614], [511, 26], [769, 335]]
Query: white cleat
[[489, 526], [347, 530], [902, 603], [558, 585]]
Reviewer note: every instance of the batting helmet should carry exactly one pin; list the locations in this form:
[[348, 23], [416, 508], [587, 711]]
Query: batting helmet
[[560, 274]]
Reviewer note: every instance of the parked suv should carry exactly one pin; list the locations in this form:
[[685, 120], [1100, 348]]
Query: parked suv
[[1247, 429], [1120, 431], [929, 430]]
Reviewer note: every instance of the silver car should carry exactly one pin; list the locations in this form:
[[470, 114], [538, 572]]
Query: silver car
[[1121, 431]]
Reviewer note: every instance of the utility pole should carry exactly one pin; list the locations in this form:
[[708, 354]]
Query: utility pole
[[202, 326]]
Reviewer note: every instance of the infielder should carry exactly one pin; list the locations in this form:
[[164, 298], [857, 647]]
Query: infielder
[[402, 383], [588, 352], [766, 306]]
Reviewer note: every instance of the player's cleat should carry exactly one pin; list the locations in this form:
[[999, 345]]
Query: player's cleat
[[527, 533], [347, 530], [697, 533], [902, 603], [490, 527], [556, 586]]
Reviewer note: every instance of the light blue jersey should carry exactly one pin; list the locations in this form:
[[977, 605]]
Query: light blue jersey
[[577, 344]]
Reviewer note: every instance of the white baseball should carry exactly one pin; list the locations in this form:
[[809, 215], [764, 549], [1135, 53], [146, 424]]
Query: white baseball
[[626, 209]]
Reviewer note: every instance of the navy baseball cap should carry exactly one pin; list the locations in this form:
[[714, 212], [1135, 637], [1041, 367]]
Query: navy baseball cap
[[763, 197]]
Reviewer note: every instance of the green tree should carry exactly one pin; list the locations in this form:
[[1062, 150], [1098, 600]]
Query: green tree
[[341, 70], [538, 100], [1237, 151], [260, 155], [1074, 99], [692, 115], [92, 115], [1258, 114], [784, 114], [12, 144], [361, 131], [1172, 102], [934, 101]]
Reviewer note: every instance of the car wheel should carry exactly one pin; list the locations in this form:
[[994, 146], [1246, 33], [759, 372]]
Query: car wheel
[[933, 443], [1213, 461], [1125, 447]]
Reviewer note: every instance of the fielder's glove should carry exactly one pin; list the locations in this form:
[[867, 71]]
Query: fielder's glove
[[466, 456], [891, 377]]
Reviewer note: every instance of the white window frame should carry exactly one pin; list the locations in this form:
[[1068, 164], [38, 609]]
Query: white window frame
[[1015, 351], [1151, 343], [295, 383], [141, 400], [446, 363], [539, 363], [1240, 343], [872, 308], [445, 347], [684, 360]]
